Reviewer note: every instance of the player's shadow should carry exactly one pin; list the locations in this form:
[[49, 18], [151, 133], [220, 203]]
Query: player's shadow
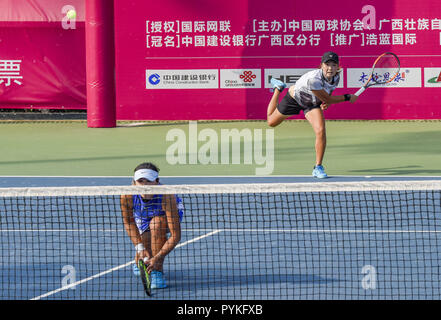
[[73, 159], [174, 123], [404, 170], [215, 278]]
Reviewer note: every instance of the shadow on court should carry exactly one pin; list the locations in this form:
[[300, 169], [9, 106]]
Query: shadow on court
[[405, 170], [126, 157], [219, 279], [183, 123]]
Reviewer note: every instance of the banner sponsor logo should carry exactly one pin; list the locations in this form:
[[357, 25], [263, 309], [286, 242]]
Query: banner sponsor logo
[[407, 78], [432, 77], [240, 78], [290, 76], [154, 79], [182, 79]]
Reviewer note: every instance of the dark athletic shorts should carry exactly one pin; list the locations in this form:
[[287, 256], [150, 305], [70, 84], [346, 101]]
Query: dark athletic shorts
[[289, 106]]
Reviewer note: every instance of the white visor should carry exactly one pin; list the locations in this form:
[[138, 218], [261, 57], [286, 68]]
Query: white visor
[[150, 175]]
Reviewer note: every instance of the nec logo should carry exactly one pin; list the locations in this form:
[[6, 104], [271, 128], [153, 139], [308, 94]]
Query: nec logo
[[289, 79], [154, 79]]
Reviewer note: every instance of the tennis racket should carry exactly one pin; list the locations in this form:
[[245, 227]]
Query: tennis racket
[[390, 68], [145, 277]]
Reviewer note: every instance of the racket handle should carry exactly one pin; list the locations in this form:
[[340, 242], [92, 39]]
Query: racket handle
[[360, 91]]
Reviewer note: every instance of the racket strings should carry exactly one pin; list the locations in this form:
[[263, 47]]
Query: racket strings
[[386, 69]]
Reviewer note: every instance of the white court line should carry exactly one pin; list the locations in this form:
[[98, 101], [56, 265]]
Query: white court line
[[331, 231], [116, 268]]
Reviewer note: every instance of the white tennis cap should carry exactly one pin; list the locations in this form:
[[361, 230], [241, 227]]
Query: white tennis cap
[[148, 174]]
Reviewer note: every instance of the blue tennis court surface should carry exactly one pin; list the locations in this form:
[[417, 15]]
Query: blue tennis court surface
[[387, 248]]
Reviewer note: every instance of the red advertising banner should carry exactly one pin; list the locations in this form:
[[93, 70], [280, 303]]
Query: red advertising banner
[[42, 55], [214, 60]]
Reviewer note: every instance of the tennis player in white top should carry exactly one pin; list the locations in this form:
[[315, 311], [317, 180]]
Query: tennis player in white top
[[311, 94]]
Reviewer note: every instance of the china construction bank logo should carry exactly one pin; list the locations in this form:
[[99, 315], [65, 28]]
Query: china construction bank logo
[[182, 79], [154, 79], [432, 77]]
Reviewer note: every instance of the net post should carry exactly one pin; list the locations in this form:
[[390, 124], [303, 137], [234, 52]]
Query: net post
[[100, 64]]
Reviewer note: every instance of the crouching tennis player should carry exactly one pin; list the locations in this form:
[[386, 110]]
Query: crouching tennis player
[[148, 219], [312, 93]]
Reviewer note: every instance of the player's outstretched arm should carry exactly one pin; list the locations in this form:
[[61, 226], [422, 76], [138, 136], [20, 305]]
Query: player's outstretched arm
[[130, 226], [129, 222], [174, 226], [327, 99]]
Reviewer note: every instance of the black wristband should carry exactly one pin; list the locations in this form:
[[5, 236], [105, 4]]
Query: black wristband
[[347, 97]]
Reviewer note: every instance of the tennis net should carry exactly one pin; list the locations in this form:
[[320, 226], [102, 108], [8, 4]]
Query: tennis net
[[370, 240]]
